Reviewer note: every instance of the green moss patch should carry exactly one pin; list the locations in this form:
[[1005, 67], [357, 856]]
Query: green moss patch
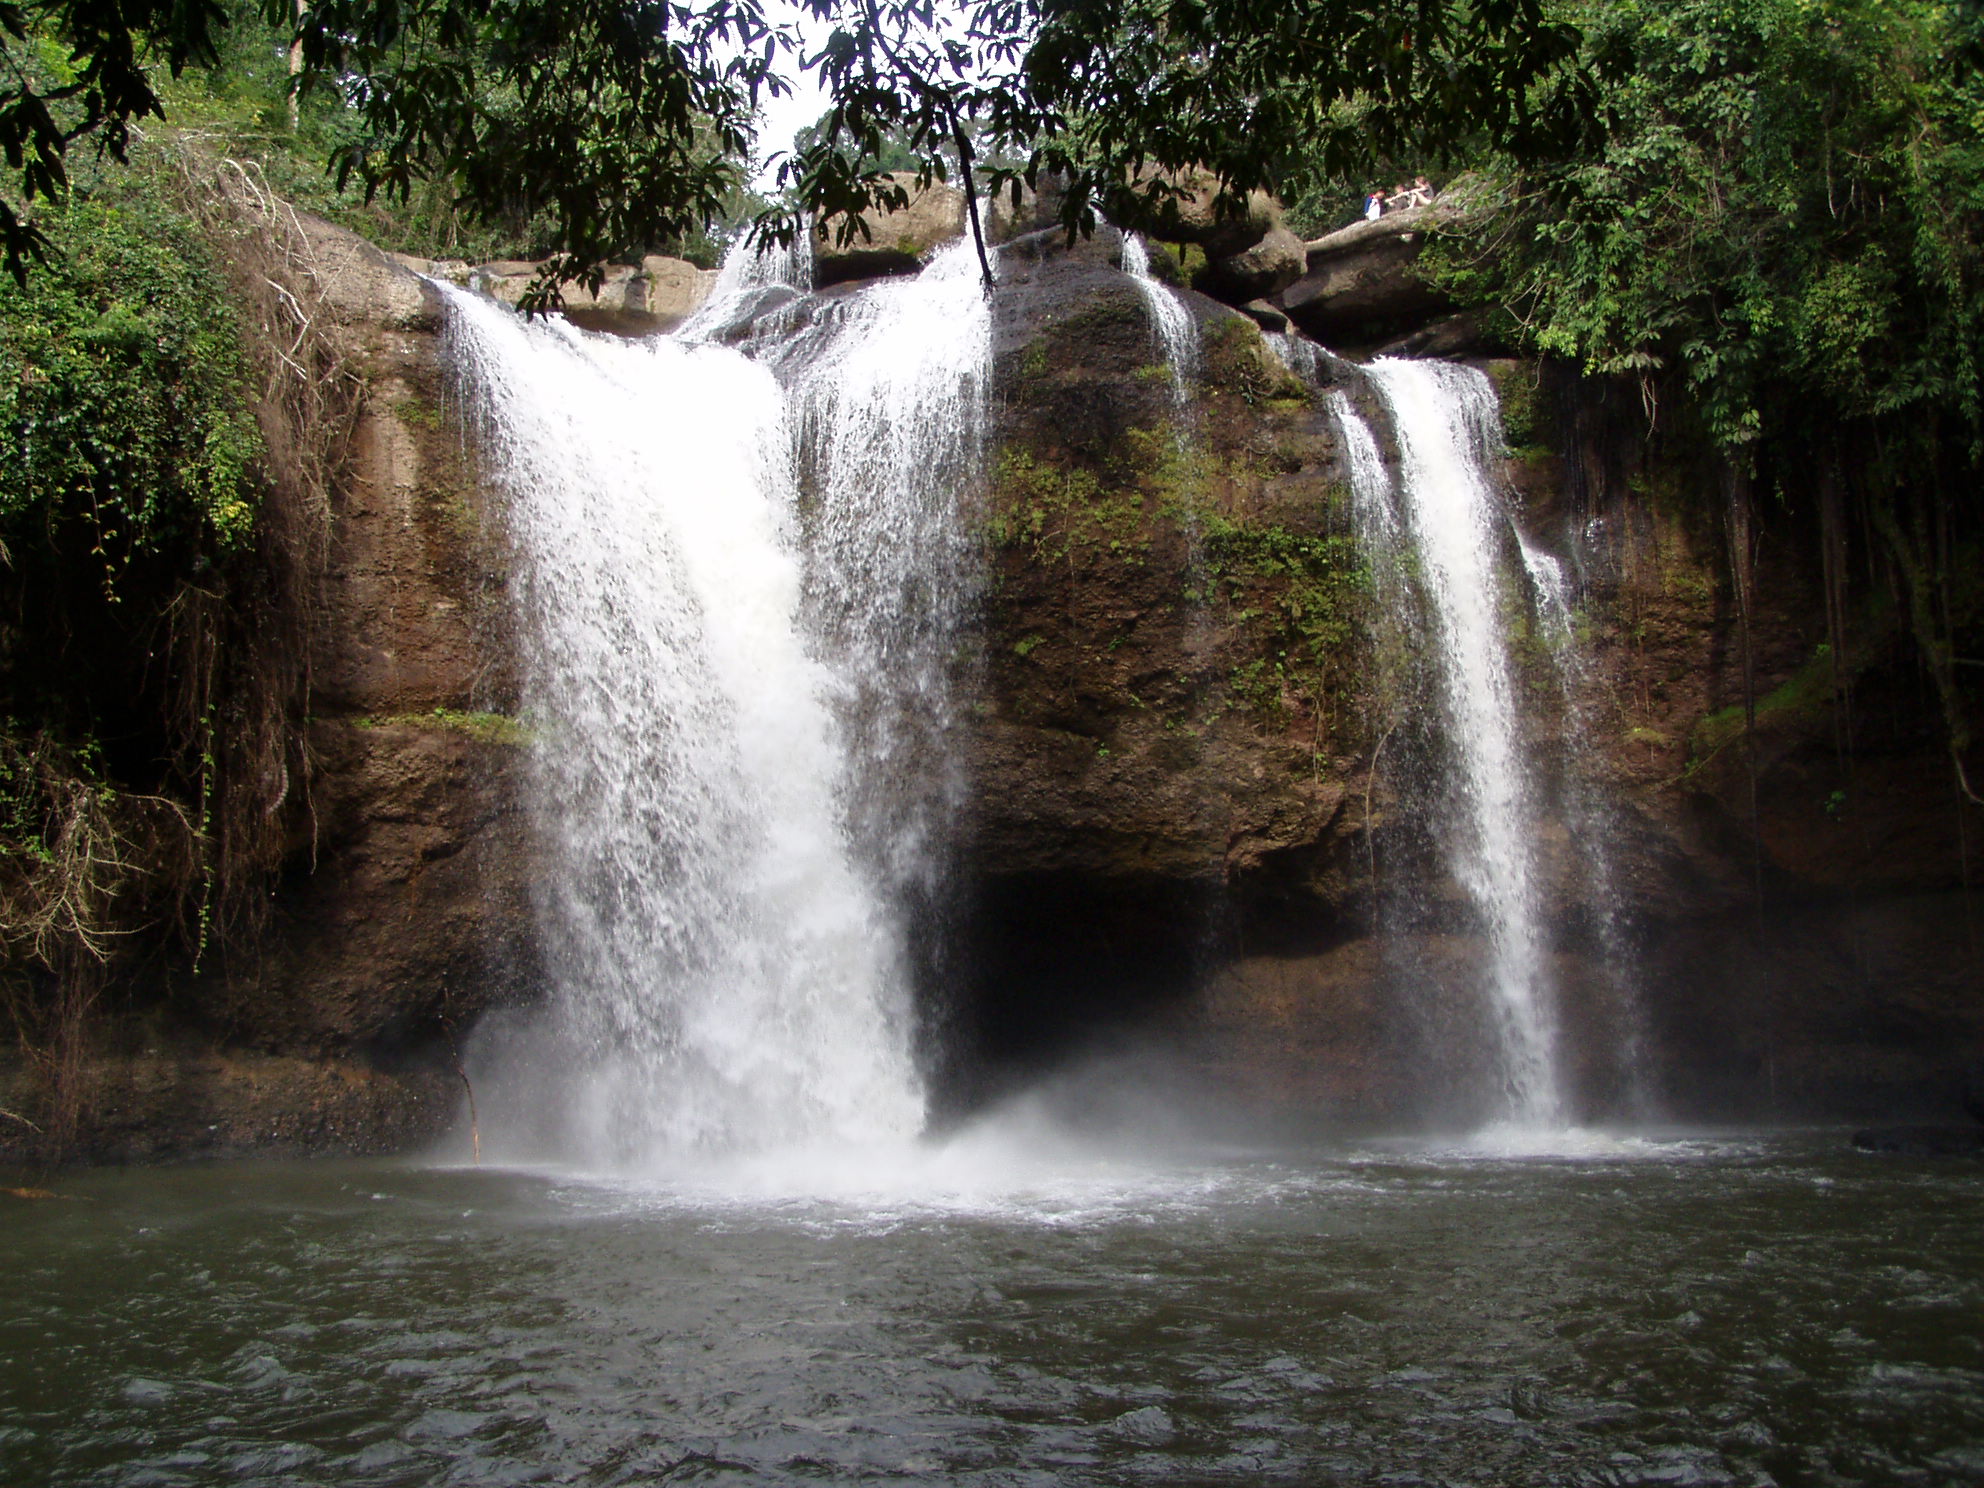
[[484, 728], [1521, 397], [1802, 698]]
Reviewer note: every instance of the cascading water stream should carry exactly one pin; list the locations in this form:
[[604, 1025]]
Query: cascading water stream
[[1444, 507], [889, 392], [755, 288], [1592, 819], [1305, 358], [1177, 336], [721, 781]]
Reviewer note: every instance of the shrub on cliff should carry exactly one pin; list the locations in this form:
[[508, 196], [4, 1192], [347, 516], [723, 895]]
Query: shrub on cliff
[[125, 425], [167, 432]]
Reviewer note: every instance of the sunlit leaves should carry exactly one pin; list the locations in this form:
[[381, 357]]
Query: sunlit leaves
[[1785, 210], [622, 123]]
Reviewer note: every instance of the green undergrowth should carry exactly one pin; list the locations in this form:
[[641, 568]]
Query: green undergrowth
[[1239, 361], [1051, 511], [1300, 597], [419, 413], [172, 421], [126, 422], [1521, 398], [1153, 484]]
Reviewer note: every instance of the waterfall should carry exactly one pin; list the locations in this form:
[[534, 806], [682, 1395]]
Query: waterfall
[[755, 290], [1445, 511], [736, 586], [889, 389], [1300, 355], [1592, 819], [1171, 323]]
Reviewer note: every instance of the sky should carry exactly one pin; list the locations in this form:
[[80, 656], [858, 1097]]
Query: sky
[[782, 118], [785, 117]]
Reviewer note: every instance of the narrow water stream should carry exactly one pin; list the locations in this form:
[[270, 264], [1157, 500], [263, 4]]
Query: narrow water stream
[[1437, 535], [1172, 326]]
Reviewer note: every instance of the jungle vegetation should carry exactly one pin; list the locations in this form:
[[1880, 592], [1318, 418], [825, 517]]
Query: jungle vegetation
[[1776, 242], [620, 123]]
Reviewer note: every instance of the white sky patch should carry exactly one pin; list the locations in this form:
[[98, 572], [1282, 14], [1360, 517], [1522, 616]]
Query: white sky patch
[[781, 119]]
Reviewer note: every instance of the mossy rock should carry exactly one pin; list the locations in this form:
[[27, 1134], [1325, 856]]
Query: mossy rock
[[1802, 699], [1239, 360]]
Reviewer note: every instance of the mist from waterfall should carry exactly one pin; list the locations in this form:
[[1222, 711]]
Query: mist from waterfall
[[736, 589], [1438, 532]]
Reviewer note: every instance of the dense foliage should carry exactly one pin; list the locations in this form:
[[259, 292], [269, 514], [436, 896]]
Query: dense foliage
[[1110, 95], [620, 123], [124, 423], [241, 108], [1786, 211], [1779, 241]]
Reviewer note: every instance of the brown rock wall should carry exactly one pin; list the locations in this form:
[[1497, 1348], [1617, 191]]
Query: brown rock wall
[[404, 909], [1145, 721]]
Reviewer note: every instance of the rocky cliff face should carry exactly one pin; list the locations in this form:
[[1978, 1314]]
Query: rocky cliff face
[[404, 910], [1185, 825], [1185, 816]]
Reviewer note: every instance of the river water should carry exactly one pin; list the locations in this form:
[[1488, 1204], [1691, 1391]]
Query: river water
[[1011, 1309]]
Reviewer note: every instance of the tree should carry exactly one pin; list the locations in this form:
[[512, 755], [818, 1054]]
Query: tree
[[1784, 193], [627, 121], [1780, 229]]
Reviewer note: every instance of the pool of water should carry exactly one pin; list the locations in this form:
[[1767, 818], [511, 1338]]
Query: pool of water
[[1746, 1310]]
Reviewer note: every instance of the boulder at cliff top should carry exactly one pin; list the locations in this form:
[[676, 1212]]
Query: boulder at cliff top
[[676, 289], [898, 242], [1361, 286], [1200, 212], [1267, 268], [362, 286], [658, 296]]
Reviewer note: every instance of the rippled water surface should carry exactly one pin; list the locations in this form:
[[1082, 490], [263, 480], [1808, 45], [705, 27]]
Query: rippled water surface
[[1744, 1311]]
